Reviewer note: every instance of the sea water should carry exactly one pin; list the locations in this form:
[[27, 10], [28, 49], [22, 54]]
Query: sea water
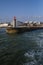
[[21, 49]]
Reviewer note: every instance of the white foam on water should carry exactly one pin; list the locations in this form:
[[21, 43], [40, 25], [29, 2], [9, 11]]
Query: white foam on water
[[31, 54], [40, 35], [30, 63]]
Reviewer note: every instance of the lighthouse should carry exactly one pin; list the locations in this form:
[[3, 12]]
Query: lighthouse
[[14, 22]]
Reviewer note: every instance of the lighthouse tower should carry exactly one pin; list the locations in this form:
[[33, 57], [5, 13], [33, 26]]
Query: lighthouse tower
[[14, 22]]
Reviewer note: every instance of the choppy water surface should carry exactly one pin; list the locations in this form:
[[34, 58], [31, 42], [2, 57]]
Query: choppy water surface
[[21, 49]]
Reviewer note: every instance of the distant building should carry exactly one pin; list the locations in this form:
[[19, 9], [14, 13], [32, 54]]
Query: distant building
[[30, 22], [26, 22], [37, 23], [3, 25], [18, 23]]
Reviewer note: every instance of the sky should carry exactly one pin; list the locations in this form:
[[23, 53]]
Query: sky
[[21, 8]]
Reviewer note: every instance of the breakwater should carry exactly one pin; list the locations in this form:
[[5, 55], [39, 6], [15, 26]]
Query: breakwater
[[22, 29]]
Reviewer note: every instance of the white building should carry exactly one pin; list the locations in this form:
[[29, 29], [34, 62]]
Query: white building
[[18, 23], [26, 22], [30, 22], [4, 25], [38, 23]]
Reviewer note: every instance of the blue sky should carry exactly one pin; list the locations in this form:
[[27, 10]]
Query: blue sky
[[19, 8]]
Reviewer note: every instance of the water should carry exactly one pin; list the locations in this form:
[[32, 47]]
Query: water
[[21, 49]]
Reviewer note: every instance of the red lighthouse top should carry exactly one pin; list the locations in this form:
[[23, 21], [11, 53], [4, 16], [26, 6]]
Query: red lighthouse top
[[14, 17]]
